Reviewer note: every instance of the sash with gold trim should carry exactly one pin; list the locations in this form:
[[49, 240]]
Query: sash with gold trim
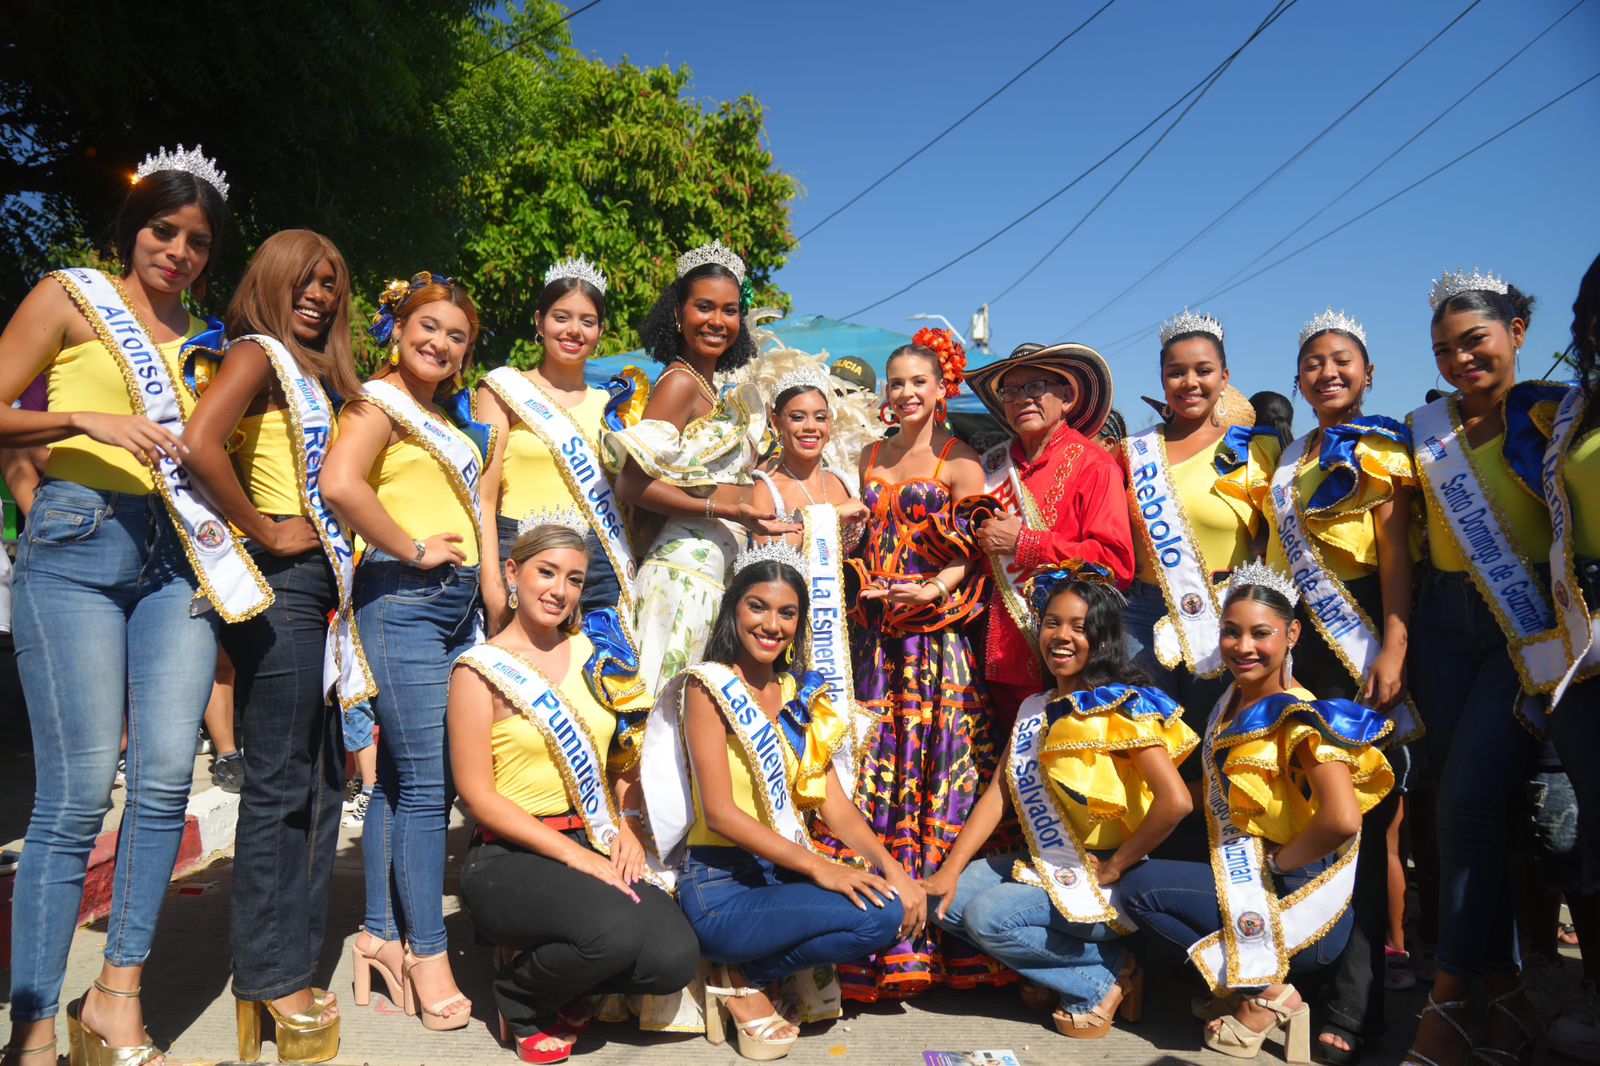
[[825, 642], [456, 455], [1002, 481], [1580, 630]]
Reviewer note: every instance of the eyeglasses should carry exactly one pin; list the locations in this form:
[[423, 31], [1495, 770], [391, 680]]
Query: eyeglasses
[[1032, 390]]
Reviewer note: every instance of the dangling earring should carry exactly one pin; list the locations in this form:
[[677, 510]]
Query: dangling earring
[[511, 597], [940, 409], [459, 384], [394, 354], [887, 416], [1288, 665], [788, 657]]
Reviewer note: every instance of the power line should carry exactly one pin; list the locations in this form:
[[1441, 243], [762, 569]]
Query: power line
[[540, 32], [1272, 16], [942, 133], [1347, 223], [1264, 182]]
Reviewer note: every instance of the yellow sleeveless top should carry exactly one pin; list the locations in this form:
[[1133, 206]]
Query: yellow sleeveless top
[[1524, 513], [1348, 541], [1224, 510], [86, 377], [530, 476], [1582, 477], [419, 496], [265, 462], [525, 770]]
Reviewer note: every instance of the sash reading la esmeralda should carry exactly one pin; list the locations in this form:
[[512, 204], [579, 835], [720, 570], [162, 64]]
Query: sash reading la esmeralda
[[579, 465], [1260, 932], [1189, 632], [826, 644], [344, 665], [1579, 630], [456, 455], [1504, 579], [1336, 614], [222, 568], [1001, 481], [1059, 862]]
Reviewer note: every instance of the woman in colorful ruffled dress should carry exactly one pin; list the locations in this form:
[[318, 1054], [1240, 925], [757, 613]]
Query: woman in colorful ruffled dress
[[1093, 767], [689, 460]]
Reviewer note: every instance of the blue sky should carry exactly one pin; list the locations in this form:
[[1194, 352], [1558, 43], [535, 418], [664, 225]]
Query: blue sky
[[852, 88]]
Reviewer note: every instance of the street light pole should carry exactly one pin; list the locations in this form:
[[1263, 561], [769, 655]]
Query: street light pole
[[940, 318]]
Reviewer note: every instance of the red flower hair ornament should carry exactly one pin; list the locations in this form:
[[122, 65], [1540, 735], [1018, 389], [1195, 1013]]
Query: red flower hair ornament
[[952, 357]]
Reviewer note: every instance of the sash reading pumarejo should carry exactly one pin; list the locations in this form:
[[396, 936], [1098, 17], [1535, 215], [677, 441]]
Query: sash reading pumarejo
[[456, 455], [826, 643], [222, 567], [1580, 631]]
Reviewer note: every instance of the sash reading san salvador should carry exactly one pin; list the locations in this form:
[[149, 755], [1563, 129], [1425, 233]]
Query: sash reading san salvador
[[826, 644], [1579, 630], [1260, 931], [456, 455], [1336, 614], [579, 466], [222, 568], [1059, 862], [1189, 632], [1002, 481]]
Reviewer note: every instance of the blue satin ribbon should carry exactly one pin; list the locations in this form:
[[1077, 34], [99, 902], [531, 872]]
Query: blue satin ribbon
[[613, 656], [1525, 441], [459, 407], [795, 716], [621, 389], [1235, 450], [1043, 585], [1343, 722], [1338, 457], [209, 343], [1136, 702]]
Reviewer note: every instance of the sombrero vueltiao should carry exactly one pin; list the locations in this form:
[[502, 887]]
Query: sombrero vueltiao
[[1079, 363]]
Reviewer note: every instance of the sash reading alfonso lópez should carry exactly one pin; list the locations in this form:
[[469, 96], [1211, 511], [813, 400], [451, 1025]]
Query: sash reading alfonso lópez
[[222, 568]]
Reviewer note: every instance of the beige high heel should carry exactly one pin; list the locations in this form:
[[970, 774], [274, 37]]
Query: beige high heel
[[433, 1014], [1234, 1038], [363, 963], [757, 1038], [88, 1048], [1125, 1001]]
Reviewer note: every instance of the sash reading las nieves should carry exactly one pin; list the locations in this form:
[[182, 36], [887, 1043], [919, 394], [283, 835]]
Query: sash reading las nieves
[[1059, 861], [1580, 631], [826, 639], [222, 567], [1002, 481], [579, 466], [1189, 633], [456, 455], [1260, 931], [345, 672], [1336, 614]]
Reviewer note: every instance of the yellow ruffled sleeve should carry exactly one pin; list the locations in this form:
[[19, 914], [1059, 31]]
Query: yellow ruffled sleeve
[[1247, 486], [1268, 794], [1385, 466], [825, 734]]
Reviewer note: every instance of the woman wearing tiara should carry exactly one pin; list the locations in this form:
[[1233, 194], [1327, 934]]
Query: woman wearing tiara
[[548, 424], [738, 750], [1483, 634], [1286, 780], [1340, 519], [557, 875], [405, 477], [1197, 485], [689, 459], [108, 629], [798, 475]]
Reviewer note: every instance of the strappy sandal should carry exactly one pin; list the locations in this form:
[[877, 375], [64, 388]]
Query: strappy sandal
[[433, 1014], [89, 1048], [1417, 1058], [1210, 1008], [1234, 1038], [757, 1038], [1125, 1001], [24, 1052], [363, 963], [1501, 1056]]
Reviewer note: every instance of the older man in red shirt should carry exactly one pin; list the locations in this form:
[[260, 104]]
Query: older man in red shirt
[[1065, 497]]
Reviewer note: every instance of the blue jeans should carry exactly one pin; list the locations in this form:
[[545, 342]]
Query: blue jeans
[[104, 635], [1466, 687], [600, 586], [413, 623], [1177, 902], [770, 921], [1019, 926]]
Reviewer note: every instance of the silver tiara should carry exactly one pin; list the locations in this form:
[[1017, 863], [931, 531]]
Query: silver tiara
[[569, 517], [715, 252], [775, 551], [1256, 572], [579, 268], [1450, 285], [1189, 322], [194, 162], [1331, 319], [804, 377]]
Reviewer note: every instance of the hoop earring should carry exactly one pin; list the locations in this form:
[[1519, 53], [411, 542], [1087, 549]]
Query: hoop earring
[[788, 657], [887, 416], [511, 597], [538, 337], [394, 354], [940, 409]]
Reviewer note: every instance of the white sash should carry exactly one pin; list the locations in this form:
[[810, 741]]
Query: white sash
[[826, 638], [1002, 481], [580, 469], [1502, 574], [1260, 931], [456, 455], [1338, 617], [344, 666], [1190, 631], [1579, 630], [1060, 864], [222, 567]]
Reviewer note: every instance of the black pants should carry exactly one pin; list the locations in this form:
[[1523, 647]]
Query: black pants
[[576, 935], [293, 777]]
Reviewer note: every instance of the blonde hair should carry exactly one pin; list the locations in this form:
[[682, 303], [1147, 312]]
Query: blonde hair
[[264, 303], [542, 539]]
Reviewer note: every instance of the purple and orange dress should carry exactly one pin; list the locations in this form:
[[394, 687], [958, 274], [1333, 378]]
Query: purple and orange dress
[[930, 755]]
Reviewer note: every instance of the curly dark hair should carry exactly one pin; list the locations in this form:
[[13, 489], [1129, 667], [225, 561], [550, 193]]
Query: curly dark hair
[[659, 331], [1586, 330]]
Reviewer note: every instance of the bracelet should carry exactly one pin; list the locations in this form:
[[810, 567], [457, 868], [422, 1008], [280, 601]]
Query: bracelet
[[631, 812], [943, 588], [422, 549], [711, 503]]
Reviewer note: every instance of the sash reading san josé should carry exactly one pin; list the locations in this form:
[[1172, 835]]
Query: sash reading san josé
[[1336, 614], [1002, 481], [456, 455], [222, 568]]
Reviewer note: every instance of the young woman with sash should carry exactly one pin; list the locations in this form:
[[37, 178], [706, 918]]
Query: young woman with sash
[[287, 356], [557, 874], [1287, 778], [923, 763], [404, 477], [1092, 771], [1485, 640], [122, 578], [737, 753], [1341, 516], [548, 424], [689, 459]]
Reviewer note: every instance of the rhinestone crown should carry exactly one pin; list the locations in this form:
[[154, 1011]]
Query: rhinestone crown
[[1331, 319], [715, 252], [1459, 282], [1189, 322], [579, 268], [773, 551], [191, 162], [808, 377], [570, 517], [1256, 572]]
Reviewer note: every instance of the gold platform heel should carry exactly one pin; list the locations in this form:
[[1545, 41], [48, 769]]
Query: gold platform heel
[[306, 1037], [88, 1048]]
